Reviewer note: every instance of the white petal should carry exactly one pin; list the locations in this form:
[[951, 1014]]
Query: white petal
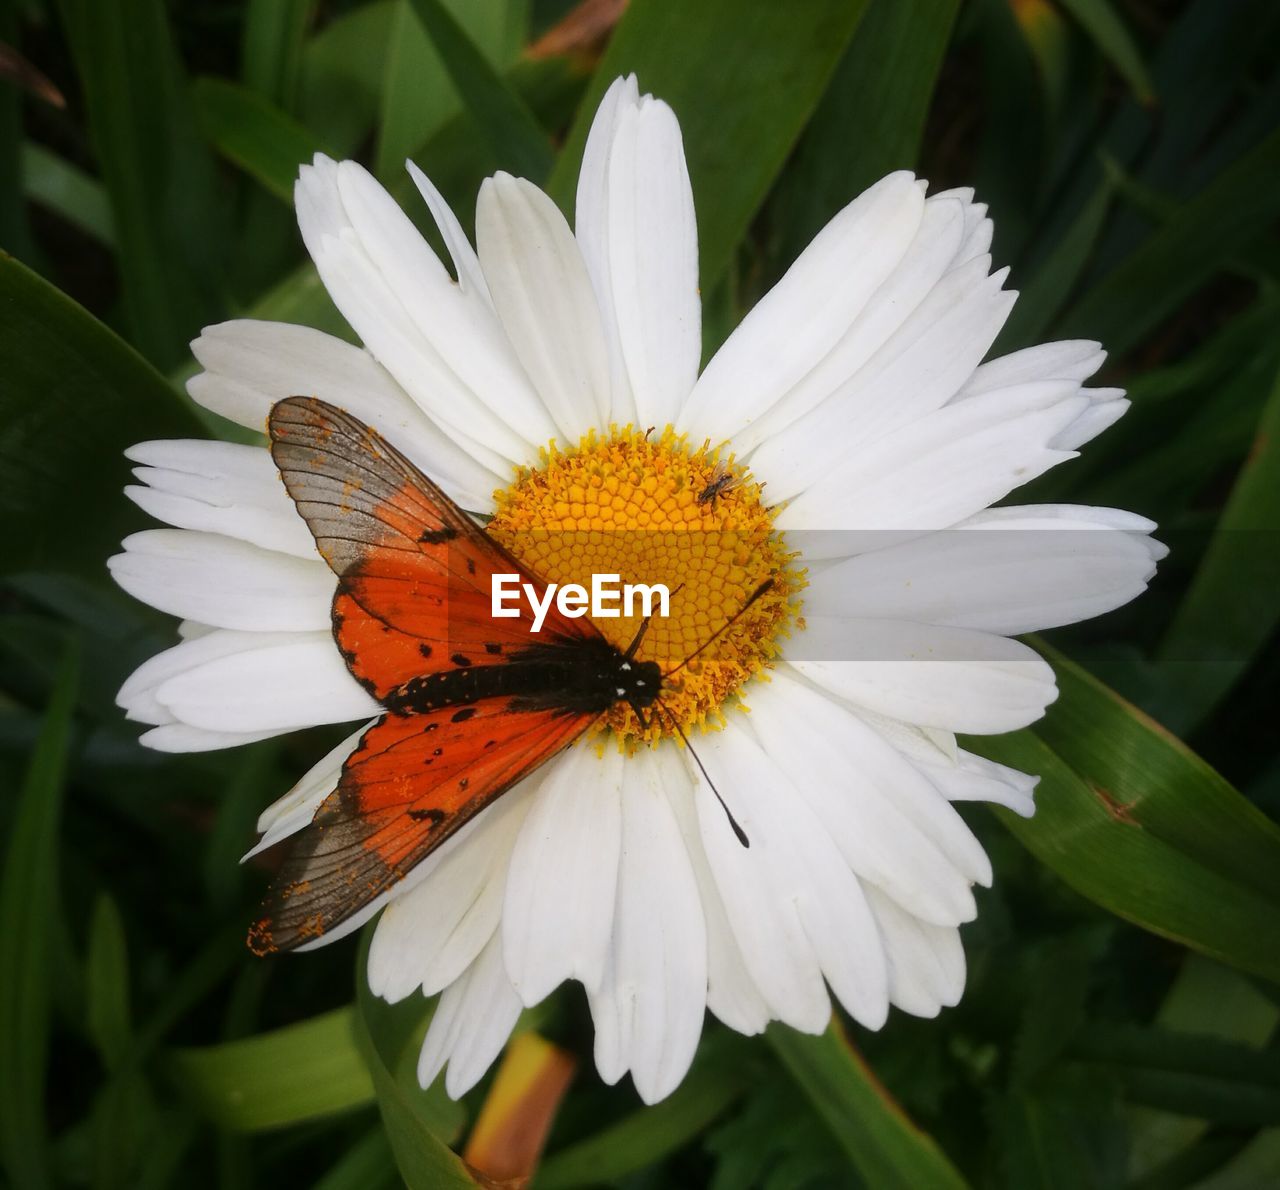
[[544, 297], [289, 814], [281, 686], [837, 766], [220, 487], [180, 737], [224, 582], [796, 909], [926, 962], [641, 251], [441, 343], [649, 1006], [943, 468], [950, 678], [838, 377], [252, 365], [558, 911], [591, 227], [912, 376], [1073, 359], [140, 693], [888, 755], [472, 1022], [806, 315], [975, 779], [996, 572], [430, 935], [466, 264], [731, 992]]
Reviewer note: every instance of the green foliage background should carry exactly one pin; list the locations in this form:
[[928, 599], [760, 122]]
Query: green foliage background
[[1119, 1026]]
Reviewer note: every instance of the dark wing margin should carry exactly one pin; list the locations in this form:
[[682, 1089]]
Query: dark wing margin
[[411, 783]]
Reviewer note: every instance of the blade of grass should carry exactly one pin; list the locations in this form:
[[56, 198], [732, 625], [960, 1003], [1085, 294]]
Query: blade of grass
[[737, 133], [871, 117], [1177, 258], [254, 134], [418, 1123], [501, 116], [302, 1072], [1134, 821], [68, 191], [28, 909], [721, 1072], [1104, 26], [882, 1144], [1231, 610], [72, 398], [107, 983], [271, 48], [156, 169], [418, 95]]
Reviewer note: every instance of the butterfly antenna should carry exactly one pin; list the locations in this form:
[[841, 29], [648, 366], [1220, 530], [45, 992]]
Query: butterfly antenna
[[675, 726], [644, 627], [759, 591]]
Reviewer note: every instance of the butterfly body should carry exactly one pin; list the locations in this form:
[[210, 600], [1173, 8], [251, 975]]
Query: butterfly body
[[567, 676], [472, 704]]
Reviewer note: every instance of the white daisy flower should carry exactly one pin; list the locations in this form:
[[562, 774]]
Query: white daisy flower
[[855, 394]]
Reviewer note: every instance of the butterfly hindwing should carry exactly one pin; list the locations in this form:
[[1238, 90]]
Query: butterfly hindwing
[[414, 571], [412, 781]]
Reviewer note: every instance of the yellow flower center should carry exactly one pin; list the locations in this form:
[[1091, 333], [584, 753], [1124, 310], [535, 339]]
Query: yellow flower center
[[653, 510]]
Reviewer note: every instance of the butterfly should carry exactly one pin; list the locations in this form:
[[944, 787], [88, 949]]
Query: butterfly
[[472, 704]]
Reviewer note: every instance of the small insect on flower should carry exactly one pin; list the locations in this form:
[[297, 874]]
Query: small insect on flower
[[722, 481]]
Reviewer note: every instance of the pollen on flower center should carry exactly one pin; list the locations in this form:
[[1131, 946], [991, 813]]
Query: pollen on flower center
[[652, 509]]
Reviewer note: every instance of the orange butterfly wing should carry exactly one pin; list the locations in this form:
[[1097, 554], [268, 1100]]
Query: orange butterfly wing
[[410, 784], [414, 571], [413, 600]]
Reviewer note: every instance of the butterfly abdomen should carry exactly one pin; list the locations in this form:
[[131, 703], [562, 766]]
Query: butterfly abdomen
[[575, 677]]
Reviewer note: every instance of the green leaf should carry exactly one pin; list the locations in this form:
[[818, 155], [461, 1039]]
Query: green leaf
[[28, 912], [72, 397], [743, 79], [1206, 999], [1048, 285], [367, 1165], [157, 172], [1132, 819], [882, 1144], [1231, 610], [1201, 1077], [501, 116], [1104, 26], [302, 1072], [1258, 1164], [721, 1072], [271, 48], [249, 131], [1205, 233], [107, 983], [342, 71], [871, 118], [68, 191], [419, 1123], [418, 96]]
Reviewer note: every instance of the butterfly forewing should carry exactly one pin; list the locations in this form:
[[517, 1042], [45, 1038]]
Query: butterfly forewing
[[414, 571]]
